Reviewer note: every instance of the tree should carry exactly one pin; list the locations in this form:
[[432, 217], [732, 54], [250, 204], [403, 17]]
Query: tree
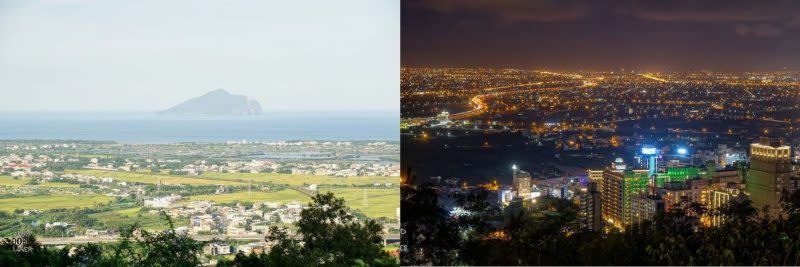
[[328, 229], [739, 209], [86, 255], [431, 237], [327, 235], [168, 248], [23, 250], [540, 233]]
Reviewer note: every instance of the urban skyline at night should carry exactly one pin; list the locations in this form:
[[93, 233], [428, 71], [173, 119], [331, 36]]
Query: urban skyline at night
[[600, 133]]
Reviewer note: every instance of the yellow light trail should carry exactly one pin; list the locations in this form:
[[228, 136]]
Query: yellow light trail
[[480, 106], [653, 77], [511, 86], [576, 76]]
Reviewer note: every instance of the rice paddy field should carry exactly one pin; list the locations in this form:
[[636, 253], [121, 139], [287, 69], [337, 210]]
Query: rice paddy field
[[51, 202], [284, 196], [153, 178], [213, 178], [125, 217], [299, 180], [381, 202], [10, 181]]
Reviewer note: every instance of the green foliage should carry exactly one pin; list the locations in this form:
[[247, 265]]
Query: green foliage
[[169, 249], [178, 172], [545, 233], [431, 236], [150, 249], [328, 236]]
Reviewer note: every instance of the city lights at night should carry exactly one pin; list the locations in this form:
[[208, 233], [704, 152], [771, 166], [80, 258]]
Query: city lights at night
[[637, 133]]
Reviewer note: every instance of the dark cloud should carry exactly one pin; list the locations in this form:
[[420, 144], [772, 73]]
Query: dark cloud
[[758, 30], [714, 34], [751, 18], [712, 11], [510, 11]]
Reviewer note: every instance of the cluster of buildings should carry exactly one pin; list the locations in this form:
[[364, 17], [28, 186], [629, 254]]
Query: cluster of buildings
[[528, 189], [389, 169], [693, 96], [223, 248], [336, 158], [624, 194], [347, 170], [208, 218], [37, 147], [298, 143], [28, 165]]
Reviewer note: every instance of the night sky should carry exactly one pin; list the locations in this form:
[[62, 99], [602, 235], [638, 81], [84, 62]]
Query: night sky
[[602, 35]]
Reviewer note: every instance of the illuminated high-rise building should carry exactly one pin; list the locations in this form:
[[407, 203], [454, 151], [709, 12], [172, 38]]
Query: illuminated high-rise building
[[770, 173], [596, 176], [719, 198], [611, 207], [645, 207], [693, 190], [590, 203], [619, 164], [620, 188], [522, 183], [652, 154]]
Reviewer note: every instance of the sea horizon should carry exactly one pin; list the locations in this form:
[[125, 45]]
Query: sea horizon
[[151, 128]]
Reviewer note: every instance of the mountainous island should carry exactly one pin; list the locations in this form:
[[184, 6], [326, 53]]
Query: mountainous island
[[216, 103]]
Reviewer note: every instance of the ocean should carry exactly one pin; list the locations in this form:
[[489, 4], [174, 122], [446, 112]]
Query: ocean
[[149, 128]]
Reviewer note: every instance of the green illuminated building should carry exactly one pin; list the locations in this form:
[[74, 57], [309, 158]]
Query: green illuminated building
[[620, 189], [634, 184], [677, 174]]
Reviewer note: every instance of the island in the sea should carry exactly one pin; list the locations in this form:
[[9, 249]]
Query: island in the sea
[[216, 103]]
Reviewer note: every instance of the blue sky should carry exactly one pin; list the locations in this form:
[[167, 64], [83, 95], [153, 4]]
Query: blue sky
[[72, 55]]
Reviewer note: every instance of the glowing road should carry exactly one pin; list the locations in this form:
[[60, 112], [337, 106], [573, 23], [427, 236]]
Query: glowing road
[[479, 102], [512, 86], [654, 78]]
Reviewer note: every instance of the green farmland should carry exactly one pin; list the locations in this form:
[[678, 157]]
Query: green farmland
[[124, 217], [51, 202], [299, 180], [283, 196], [148, 178], [381, 202]]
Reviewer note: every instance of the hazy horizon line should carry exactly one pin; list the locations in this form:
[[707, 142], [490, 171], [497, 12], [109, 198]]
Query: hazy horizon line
[[665, 69], [264, 111]]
